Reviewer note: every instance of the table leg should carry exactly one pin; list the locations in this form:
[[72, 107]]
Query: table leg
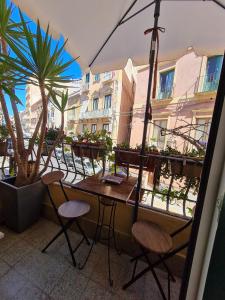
[[110, 234], [81, 266]]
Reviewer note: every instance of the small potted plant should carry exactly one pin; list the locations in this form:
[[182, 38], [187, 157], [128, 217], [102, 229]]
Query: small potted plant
[[125, 155], [50, 137], [4, 134], [193, 167]]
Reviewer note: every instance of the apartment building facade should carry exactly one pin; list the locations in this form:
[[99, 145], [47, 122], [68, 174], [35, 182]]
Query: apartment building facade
[[29, 117], [105, 102], [185, 96]]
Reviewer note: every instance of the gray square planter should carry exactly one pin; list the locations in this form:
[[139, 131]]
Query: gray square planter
[[21, 206]]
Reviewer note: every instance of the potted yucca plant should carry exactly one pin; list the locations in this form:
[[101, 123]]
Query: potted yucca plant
[[28, 58], [4, 134]]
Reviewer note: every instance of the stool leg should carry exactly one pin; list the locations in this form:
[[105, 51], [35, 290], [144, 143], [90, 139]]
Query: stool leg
[[154, 275], [52, 240], [70, 247], [167, 269], [82, 232], [67, 225]]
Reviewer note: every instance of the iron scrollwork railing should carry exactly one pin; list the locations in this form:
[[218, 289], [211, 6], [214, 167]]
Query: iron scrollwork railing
[[62, 158], [172, 182]]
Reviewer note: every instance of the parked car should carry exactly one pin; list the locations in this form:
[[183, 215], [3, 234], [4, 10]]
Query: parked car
[[85, 167], [58, 153]]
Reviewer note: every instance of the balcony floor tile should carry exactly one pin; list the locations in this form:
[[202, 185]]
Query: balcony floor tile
[[26, 273]]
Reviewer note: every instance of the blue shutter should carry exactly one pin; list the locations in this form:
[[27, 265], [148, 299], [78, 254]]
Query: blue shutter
[[166, 84], [213, 69]]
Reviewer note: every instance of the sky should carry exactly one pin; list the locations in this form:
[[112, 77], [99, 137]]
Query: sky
[[74, 71]]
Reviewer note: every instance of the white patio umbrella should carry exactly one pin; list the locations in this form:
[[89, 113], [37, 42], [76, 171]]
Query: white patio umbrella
[[105, 33], [88, 23]]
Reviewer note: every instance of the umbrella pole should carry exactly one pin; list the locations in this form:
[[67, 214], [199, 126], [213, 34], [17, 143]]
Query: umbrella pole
[[148, 111]]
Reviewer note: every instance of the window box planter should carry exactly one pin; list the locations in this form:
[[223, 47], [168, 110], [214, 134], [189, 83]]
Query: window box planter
[[152, 161], [89, 150], [192, 169], [176, 167], [21, 205], [186, 168], [127, 157], [132, 157]]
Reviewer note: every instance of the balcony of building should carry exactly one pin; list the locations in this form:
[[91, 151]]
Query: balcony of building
[[85, 87], [95, 114], [108, 77], [207, 83]]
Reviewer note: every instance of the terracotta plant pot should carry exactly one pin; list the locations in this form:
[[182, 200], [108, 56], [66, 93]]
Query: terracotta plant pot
[[3, 148]]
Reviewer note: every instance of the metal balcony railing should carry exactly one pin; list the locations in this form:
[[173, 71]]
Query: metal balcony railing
[[207, 83], [103, 113], [107, 76], [85, 87], [167, 189]]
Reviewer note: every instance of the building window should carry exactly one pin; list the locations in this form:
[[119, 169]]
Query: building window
[[84, 128], [158, 135], [95, 104], [87, 78], [106, 127], [166, 84], [202, 129], [93, 128], [212, 76], [97, 77], [108, 101]]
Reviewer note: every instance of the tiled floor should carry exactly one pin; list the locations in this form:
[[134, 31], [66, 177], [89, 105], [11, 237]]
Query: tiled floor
[[27, 274]]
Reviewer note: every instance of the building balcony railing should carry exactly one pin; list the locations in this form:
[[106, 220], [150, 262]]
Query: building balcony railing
[[207, 83], [103, 113], [85, 87], [107, 76]]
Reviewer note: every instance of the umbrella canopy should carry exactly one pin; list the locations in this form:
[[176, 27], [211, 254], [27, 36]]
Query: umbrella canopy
[[87, 24]]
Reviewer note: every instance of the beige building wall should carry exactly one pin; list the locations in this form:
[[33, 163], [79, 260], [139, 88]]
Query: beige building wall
[[188, 102], [34, 107], [119, 85]]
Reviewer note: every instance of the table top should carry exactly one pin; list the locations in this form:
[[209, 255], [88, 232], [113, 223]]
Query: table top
[[118, 192]]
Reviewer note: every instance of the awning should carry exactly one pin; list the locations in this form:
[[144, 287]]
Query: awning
[[87, 24]]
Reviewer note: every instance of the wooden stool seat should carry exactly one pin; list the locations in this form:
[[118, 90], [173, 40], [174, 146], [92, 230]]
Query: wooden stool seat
[[152, 237], [73, 209]]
